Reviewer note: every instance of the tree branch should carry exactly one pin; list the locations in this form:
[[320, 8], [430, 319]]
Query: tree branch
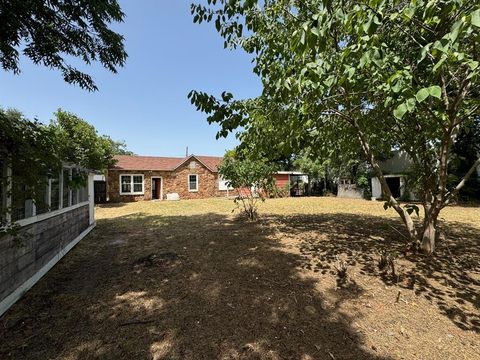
[[462, 183]]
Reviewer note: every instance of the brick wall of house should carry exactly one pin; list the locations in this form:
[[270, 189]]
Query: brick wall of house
[[113, 184], [173, 182], [282, 180]]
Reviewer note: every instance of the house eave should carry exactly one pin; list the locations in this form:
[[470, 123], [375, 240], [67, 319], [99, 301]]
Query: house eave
[[196, 158]]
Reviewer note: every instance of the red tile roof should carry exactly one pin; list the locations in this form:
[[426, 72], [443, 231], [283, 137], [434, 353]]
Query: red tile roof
[[212, 162], [125, 162]]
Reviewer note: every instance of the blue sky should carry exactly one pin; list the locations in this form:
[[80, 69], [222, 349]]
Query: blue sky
[[146, 103]]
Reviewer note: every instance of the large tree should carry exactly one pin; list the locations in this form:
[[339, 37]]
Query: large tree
[[36, 152], [78, 142], [382, 74], [51, 32]]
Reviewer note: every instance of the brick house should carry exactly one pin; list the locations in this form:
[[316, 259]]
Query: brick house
[[136, 178]]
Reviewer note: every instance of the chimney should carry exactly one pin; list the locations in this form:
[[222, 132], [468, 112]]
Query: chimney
[[186, 152]]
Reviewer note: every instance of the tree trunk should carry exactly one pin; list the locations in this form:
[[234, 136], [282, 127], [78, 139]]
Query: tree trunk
[[407, 220], [429, 235]]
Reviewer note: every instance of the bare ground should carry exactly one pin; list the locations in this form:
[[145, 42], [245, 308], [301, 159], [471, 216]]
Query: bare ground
[[190, 280]]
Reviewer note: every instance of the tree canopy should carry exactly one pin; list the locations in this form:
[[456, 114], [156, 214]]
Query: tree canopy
[[79, 143], [377, 74], [50, 33], [36, 152]]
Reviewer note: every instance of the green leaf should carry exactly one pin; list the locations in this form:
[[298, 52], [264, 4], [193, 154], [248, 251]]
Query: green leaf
[[476, 18], [443, 45], [365, 59], [377, 58], [408, 12], [411, 104], [367, 25], [455, 30], [410, 208], [422, 94], [394, 16], [439, 63], [435, 91], [423, 52], [400, 111], [302, 38], [472, 64]]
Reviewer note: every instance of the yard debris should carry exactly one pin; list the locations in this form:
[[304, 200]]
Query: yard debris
[[387, 266], [248, 347], [118, 242], [310, 309], [341, 272], [136, 322], [157, 259]]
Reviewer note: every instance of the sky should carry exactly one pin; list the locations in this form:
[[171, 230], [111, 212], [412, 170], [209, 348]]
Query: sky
[[146, 102]]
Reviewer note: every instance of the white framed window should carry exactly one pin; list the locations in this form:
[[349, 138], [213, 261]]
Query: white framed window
[[223, 185], [132, 184], [192, 182]]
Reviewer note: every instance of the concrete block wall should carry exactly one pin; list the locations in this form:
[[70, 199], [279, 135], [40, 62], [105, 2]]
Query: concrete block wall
[[30, 253]]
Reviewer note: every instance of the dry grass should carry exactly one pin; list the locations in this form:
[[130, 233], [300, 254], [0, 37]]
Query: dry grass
[[286, 206], [190, 280]]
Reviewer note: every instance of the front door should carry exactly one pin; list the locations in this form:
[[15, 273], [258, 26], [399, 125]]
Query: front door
[[156, 188], [394, 185]]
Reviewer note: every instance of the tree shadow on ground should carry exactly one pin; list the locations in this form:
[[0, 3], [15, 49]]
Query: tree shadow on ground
[[450, 278], [181, 287], [108, 205]]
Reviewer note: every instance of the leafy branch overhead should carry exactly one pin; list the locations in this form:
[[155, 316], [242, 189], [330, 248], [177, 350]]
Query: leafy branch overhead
[[377, 74], [51, 32]]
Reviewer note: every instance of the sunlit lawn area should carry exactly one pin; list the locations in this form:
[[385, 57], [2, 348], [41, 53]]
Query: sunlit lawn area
[[192, 280]]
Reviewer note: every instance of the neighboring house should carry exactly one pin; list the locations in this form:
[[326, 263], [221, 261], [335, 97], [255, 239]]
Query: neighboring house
[[347, 188], [45, 234], [294, 182], [394, 170], [136, 178]]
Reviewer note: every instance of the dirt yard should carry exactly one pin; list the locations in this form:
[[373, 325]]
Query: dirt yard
[[190, 280]]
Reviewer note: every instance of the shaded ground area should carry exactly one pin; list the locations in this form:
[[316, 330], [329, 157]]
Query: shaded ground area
[[450, 279], [190, 280]]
